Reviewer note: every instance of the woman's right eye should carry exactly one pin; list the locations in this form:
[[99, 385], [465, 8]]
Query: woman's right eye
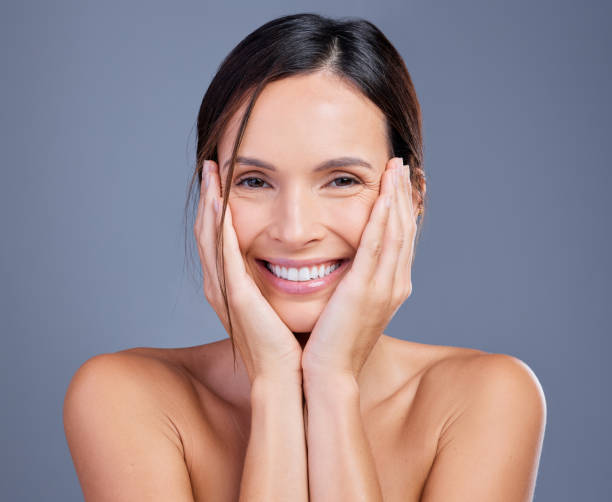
[[251, 182]]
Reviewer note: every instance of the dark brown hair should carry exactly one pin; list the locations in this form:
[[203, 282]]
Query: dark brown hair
[[351, 48]]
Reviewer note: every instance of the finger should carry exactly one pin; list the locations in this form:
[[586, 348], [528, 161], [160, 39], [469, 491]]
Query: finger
[[198, 226], [235, 270], [371, 242], [199, 213], [393, 240], [409, 191], [208, 235], [402, 270], [413, 211], [409, 220]]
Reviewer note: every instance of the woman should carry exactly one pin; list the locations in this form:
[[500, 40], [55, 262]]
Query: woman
[[310, 170]]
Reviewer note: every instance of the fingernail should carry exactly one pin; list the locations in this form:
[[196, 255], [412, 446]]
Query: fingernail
[[387, 201], [399, 162], [206, 178], [216, 204]]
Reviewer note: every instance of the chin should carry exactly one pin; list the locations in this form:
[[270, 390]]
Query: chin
[[299, 323], [299, 317]]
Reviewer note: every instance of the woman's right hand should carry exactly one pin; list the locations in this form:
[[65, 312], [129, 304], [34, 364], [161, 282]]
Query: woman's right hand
[[267, 346]]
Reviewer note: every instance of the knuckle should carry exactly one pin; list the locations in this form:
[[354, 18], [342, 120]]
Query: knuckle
[[374, 248], [399, 241]]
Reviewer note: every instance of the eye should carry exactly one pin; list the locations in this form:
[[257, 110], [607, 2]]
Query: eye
[[251, 182], [346, 181]]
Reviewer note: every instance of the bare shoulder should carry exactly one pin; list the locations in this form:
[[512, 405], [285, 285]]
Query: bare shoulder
[[452, 382], [465, 376], [493, 416], [146, 424], [460, 371], [483, 416], [119, 408], [140, 371]]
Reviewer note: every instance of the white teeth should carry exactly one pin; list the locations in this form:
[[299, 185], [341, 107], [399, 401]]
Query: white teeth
[[303, 273]]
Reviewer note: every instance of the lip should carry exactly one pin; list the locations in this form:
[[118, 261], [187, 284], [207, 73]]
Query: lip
[[302, 287]]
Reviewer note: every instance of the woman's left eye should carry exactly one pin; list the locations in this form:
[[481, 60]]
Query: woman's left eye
[[345, 179]]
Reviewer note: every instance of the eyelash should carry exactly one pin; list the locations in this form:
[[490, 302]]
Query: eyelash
[[354, 180]]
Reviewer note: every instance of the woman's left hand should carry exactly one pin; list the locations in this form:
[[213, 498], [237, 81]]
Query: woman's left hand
[[373, 289]]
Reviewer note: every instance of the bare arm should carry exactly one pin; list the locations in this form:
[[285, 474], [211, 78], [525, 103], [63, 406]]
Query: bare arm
[[340, 462], [275, 465]]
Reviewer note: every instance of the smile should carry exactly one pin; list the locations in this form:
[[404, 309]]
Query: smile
[[302, 274], [302, 279]]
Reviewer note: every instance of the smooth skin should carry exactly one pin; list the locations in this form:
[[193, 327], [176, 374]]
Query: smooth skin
[[346, 413]]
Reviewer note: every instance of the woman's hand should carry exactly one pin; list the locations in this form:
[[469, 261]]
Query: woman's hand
[[373, 289], [267, 346]]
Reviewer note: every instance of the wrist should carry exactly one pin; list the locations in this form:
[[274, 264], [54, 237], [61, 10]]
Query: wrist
[[330, 385], [276, 384]]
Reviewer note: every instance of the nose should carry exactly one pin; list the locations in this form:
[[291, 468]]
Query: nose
[[295, 219]]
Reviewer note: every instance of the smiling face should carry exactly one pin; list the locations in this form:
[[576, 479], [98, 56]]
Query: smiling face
[[287, 206]]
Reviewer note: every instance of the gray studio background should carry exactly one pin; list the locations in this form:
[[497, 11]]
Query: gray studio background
[[99, 102]]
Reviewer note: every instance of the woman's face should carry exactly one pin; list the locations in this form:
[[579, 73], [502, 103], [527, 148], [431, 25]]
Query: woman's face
[[293, 214]]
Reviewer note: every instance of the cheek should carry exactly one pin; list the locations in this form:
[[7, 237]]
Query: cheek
[[349, 218], [247, 222]]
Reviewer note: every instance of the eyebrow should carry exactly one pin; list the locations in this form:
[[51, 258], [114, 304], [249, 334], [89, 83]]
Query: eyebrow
[[327, 164]]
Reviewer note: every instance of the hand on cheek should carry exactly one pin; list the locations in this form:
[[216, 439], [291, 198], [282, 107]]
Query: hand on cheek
[[372, 291], [266, 345]]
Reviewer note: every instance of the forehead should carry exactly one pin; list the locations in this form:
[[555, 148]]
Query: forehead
[[307, 118]]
